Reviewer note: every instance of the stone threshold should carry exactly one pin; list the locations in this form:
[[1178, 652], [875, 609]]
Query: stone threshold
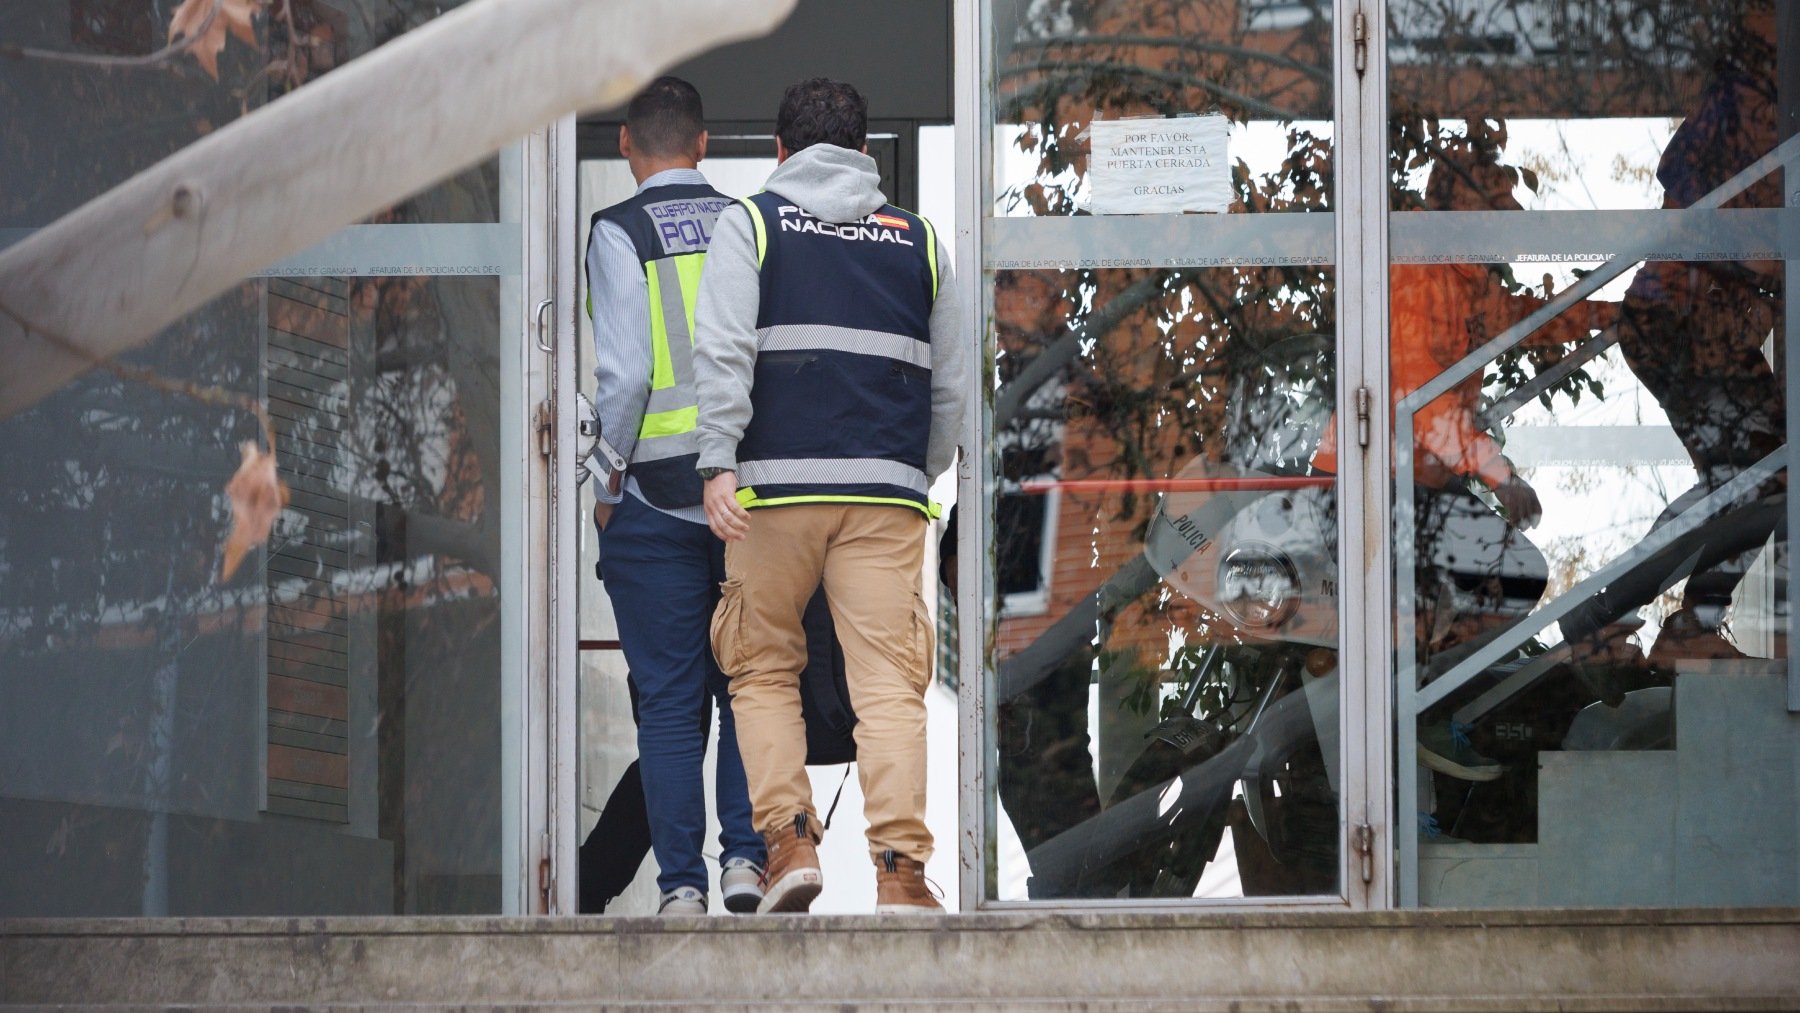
[[1650, 959]]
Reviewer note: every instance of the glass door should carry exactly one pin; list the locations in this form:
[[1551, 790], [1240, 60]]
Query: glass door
[[1588, 364], [1160, 709], [616, 875]]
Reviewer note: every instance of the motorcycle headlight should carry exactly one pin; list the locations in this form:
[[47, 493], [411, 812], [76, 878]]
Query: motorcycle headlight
[[1259, 586]]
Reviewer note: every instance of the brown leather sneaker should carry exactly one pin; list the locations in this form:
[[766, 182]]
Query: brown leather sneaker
[[901, 888], [792, 878]]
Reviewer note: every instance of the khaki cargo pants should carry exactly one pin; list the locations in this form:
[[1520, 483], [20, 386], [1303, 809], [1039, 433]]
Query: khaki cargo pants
[[869, 559]]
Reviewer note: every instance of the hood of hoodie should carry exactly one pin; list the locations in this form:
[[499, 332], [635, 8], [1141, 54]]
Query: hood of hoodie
[[831, 183]]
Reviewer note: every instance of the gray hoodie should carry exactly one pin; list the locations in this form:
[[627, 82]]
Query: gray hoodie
[[837, 185]]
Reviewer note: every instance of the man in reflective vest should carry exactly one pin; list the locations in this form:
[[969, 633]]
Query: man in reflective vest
[[830, 382], [661, 565]]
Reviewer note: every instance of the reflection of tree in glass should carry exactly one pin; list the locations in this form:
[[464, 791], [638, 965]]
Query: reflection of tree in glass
[[1131, 373], [112, 513], [1146, 361]]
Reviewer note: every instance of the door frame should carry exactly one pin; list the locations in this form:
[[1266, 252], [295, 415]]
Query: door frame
[[525, 544], [555, 882], [1359, 79], [541, 852], [548, 844]]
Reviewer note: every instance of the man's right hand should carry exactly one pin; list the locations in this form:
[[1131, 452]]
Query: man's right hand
[[727, 518], [602, 514]]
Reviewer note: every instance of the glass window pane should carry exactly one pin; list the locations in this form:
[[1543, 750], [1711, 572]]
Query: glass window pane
[[1164, 543], [1588, 344], [317, 729]]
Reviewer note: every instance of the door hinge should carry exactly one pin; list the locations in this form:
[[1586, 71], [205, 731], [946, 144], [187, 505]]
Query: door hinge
[[1362, 416], [544, 873], [1362, 838], [1359, 34], [544, 415]]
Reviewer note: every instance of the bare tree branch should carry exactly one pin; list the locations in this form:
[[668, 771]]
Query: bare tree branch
[[162, 55], [1061, 350], [1195, 45], [1075, 630], [1163, 76]]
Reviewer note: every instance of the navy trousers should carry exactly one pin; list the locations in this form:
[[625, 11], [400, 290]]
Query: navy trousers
[[663, 575]]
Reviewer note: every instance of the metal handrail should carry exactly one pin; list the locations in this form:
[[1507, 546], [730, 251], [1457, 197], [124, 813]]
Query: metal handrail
[[1409, 700], [1477, 360], [1726, 496], [1788, 151]]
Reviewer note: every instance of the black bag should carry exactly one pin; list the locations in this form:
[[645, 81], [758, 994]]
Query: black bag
[[824, 690], [615, 848]]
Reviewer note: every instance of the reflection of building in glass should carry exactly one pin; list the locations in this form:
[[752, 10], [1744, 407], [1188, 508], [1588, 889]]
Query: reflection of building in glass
[[1155, 366], [321, 732], [1140, 368]]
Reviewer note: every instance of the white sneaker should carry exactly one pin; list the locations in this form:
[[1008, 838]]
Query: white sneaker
[[683, 900], [740, 880]]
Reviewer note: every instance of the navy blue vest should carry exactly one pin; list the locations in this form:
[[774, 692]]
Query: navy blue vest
[[670, 227], [657, 220], [841, 402]]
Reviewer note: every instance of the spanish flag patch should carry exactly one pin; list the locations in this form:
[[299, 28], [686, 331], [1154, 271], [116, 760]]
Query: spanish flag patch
[[891, 221]]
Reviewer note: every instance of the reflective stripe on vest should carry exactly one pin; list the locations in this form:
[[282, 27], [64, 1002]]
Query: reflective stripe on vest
[[668, 447], [832, 471], [820, 337], [674, 286], [749, 498]]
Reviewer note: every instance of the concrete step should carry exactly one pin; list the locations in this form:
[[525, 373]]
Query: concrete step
[[1737, 833], [1436, 960], [1468, 875], [1714, 821]]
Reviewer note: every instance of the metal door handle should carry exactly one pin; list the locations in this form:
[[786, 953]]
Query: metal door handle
[[538, 317]]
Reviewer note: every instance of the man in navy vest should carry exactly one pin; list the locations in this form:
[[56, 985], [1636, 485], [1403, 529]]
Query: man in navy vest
[[661, 565], [830, 380]]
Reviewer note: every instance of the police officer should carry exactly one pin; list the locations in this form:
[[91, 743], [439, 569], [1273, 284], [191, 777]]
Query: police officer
[[661, 565], [830, 383]]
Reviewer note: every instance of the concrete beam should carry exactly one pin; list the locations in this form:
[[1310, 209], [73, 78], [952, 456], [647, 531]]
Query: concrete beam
[[116, 270]]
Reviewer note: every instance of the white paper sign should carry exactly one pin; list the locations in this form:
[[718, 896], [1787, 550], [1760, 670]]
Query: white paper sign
[[1159, 166]]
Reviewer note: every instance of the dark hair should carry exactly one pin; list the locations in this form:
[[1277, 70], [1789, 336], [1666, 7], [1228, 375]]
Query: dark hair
[[822, 111], [665, 118]]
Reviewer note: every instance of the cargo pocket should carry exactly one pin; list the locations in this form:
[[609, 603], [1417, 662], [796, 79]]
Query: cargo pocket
[[924, 644], [728, 628]]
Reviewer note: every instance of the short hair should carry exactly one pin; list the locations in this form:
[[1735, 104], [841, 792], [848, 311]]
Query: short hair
[[822, 111], [665, 118]]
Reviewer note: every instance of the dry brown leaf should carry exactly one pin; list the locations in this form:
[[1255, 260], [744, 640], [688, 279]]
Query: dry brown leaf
[[205, 50], [234, 17], [257, 497], [237, 15]]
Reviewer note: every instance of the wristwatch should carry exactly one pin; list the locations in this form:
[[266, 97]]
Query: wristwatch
[[708, 474]]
